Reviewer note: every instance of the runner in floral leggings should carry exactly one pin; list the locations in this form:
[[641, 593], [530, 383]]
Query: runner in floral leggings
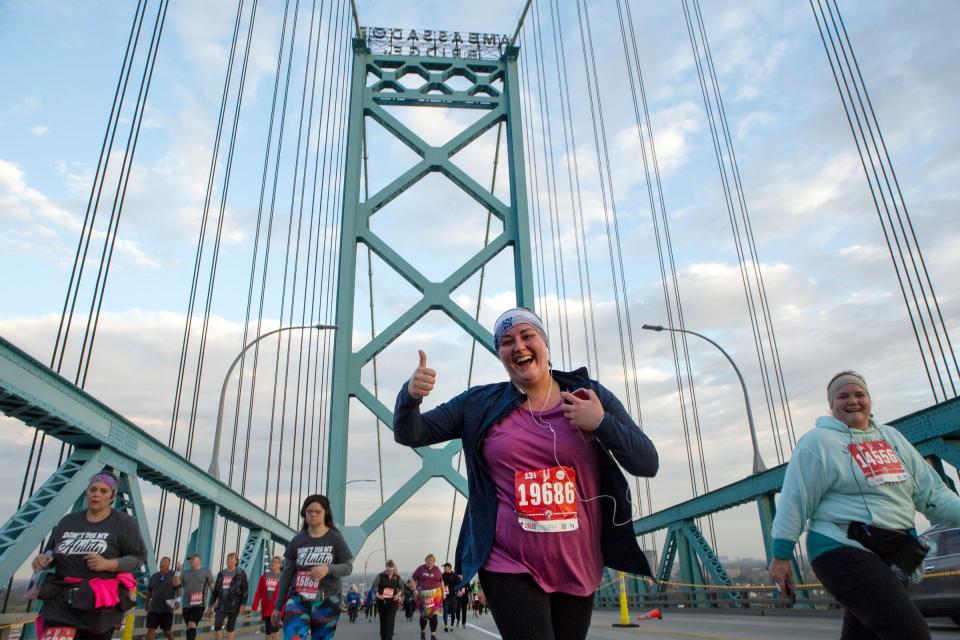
[[314, 562]]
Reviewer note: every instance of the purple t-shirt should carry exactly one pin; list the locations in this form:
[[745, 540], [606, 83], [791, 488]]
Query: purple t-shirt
[[427, 578], [567, 561]]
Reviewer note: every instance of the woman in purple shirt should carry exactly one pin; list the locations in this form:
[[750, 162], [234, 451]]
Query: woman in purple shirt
[[548, 504]]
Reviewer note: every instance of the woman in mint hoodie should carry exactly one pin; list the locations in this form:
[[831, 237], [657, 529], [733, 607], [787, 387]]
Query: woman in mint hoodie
[[846, 473]]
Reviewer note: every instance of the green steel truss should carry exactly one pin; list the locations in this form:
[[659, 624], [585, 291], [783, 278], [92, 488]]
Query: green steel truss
[[686, 543], [368, 99], [32, 393]]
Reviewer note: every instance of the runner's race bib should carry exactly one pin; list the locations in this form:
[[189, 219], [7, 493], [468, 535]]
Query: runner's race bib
[[226, 582], [59, 633], [387, 592], [546, 499], [196, 599], [272, 584], [306, 586], [878, 461]]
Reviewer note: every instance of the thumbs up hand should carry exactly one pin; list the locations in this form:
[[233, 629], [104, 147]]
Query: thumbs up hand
[[422, 381]]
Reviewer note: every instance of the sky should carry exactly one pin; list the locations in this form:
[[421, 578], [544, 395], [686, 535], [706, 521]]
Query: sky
[[833, 296]]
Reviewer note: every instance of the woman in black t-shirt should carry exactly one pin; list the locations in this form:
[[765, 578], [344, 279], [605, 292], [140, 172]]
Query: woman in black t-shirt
[[98, 543], [313, 564]]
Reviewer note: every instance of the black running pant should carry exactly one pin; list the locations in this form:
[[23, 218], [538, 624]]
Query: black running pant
[[524, 611], [875, 603], [450, 610], [388, 615], [432, 621], [462, 604]]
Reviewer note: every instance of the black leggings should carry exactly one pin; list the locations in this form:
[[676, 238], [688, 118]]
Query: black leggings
[[524, 611], [875, 603], [432, 621]]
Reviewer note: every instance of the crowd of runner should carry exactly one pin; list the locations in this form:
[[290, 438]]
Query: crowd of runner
[[542, 450], [85, 580]]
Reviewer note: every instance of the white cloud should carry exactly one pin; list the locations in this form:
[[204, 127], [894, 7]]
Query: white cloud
[[871, 253], [27, 106], [33, 219], [38, 130]]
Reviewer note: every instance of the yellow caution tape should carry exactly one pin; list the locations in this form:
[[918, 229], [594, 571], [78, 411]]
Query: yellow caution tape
[[745, 587]]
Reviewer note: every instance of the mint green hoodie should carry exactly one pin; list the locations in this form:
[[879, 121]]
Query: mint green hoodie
[[825, 489]]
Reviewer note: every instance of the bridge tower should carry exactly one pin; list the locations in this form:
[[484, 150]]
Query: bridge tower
[[368, 99]]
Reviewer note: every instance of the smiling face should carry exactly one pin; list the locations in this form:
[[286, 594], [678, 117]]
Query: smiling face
[[852, 406], [524, 354], [429, 560], [99, 497], [275, 565]]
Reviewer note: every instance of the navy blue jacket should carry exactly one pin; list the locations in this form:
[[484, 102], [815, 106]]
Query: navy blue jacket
[[471, 414]]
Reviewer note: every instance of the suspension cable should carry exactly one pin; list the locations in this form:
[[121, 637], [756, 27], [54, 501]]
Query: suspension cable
[[476, 316], [523, 16], [373, 329], [874, 145]]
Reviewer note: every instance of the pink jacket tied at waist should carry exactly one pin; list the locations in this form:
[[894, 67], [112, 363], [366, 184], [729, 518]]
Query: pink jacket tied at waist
[[106, 590]]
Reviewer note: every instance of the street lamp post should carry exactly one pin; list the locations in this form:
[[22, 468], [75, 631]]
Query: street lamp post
[[365, 562], [344, 485], [215, 459], [343, 516], [758, 465]]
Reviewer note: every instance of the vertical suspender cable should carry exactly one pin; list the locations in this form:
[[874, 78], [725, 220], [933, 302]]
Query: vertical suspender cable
[[273, 200], [328, 199], [254, 262], [476, 315], [540, 275], [559, 272], [874, 147], [225, 189], [373, 327], [333, 205], [767, 315], [906, 214], [576, 201]]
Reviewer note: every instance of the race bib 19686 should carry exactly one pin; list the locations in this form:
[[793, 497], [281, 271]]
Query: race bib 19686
[[546, 499]]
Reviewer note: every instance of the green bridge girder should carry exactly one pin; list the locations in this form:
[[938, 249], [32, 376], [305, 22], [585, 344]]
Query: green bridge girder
[[369, 99], [37, 396]]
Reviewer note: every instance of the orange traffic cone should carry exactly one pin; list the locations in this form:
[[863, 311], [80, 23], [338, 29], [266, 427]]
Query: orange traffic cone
[[651, 615]]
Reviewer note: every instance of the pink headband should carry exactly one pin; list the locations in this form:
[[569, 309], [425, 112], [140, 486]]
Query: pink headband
[[106, 478]]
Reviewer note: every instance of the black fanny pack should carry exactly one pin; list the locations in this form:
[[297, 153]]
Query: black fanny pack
[[80, 596], [902, 550]]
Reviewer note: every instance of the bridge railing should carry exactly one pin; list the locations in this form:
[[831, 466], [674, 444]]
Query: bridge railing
[[713, 598]]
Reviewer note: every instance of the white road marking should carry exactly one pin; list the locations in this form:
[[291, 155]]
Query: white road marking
[[481, 630]]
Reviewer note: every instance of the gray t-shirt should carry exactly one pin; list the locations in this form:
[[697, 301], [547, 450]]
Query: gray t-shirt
[[195, 584], [302, 554], [161, 591]]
